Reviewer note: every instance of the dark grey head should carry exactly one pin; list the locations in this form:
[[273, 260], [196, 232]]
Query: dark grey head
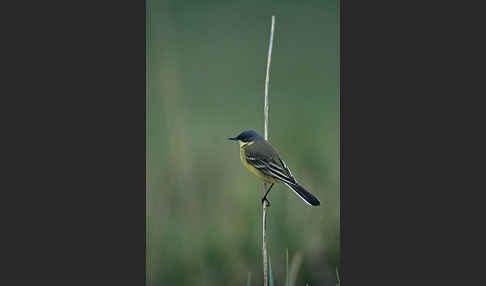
[[247, 136]]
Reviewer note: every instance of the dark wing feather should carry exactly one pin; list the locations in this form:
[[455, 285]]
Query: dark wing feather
[[264, 157]]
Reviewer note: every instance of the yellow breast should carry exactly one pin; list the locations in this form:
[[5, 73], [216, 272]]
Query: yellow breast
[[252, 169]]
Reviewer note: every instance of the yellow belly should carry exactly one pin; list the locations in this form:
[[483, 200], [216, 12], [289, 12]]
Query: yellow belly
[[252, 169]]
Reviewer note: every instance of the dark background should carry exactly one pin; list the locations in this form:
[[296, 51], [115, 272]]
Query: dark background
[[206, 77]]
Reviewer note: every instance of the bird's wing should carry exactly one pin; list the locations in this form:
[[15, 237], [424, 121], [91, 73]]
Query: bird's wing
[[265, 158]]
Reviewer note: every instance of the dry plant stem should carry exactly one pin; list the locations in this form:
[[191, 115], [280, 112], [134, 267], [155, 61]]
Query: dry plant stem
[[264, 246], [265, 114], [267, 79], [295, 267]]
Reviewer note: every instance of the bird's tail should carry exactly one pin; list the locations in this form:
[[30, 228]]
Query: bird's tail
[[303, 194]]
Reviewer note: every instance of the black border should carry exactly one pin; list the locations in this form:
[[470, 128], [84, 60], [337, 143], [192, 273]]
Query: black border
[[407, 114], [78, 113]]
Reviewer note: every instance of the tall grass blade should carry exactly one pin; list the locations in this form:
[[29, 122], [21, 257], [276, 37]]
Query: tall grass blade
[[287, 281], [270, 271], [295, 264]]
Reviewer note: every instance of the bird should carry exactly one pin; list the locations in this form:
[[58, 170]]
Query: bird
[[263, 160]]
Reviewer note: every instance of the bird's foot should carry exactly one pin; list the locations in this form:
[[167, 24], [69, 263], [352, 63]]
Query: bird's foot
[[265, 200]]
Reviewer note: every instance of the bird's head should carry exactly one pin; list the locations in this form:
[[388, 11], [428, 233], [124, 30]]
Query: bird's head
[[247, 136]]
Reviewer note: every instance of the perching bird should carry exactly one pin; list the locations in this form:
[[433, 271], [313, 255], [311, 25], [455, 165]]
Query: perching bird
[[262, 159]]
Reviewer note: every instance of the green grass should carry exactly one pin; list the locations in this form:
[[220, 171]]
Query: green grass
[[287, 283], [271, 283]]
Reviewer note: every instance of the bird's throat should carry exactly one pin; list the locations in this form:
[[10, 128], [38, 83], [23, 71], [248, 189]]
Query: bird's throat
[[245, 144]]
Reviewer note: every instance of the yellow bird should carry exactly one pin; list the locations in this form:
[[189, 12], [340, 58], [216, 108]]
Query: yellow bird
[[263, 160]]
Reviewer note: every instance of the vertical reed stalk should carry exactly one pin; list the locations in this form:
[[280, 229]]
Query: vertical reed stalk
[[265, 115]]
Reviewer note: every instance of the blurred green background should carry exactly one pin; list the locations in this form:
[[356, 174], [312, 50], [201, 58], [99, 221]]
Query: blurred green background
[[206, 63]]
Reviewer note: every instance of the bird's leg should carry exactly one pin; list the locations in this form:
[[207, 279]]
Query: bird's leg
[[265, 196]]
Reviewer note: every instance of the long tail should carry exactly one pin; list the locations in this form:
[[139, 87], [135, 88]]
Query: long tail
[[303, 194]]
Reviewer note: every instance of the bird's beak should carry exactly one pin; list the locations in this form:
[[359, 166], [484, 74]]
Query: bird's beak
[[233, 138]]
